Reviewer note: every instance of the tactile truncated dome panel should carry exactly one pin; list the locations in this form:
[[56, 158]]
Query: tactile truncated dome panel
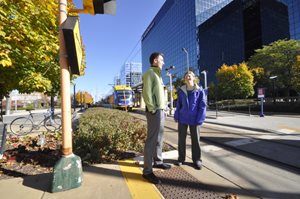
[[177, 183]]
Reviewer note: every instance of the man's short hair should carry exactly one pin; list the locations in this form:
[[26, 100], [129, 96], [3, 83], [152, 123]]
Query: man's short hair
[[154, 56]]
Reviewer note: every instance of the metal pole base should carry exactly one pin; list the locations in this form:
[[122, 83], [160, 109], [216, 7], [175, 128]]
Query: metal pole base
[[67, 173]]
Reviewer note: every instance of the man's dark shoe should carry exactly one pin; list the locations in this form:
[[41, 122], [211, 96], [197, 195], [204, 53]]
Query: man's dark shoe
[[198, 165], [162, 166], [152, 178], [179, 163]]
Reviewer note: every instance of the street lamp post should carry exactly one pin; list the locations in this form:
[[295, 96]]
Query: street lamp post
[[205, 83], [274, 79], [205, 78], [187, 58], [171, 88]]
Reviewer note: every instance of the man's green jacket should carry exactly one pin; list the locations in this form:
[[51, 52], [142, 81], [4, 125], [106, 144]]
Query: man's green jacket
[[153, 90]]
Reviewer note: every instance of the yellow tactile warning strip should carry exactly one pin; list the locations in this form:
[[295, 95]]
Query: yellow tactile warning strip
[[289, 128], [138, 186]]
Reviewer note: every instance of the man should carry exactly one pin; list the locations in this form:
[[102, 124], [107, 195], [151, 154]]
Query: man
[[153, 94]]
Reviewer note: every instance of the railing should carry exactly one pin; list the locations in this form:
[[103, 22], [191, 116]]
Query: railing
[[252, 106]]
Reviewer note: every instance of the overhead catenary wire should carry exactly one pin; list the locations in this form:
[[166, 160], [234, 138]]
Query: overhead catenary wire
[[139, 50], [130, 57], [138, 42]]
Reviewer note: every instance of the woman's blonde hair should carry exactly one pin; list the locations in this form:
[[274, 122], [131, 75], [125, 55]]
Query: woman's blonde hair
[[196, 79]]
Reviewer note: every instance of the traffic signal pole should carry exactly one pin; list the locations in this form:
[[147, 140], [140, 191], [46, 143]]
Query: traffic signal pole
[[65, 84], [67, 172]]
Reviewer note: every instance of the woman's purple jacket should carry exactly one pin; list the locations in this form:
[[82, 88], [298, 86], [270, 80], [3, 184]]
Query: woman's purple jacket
[[191, 112]]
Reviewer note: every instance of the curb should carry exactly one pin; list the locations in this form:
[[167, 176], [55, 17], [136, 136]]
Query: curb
[[242, 127]]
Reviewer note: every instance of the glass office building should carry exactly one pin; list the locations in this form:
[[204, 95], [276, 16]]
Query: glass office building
[[231, 36], [221, 39], [174, 28], [294, 17], [205, 9], [131, 73]]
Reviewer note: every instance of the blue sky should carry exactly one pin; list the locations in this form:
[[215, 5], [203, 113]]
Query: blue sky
[[109, 41]]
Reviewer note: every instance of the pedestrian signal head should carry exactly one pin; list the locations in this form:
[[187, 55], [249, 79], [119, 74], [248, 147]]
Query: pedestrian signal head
[[97, 7]]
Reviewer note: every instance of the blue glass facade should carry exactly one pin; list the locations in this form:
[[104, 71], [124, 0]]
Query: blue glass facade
[[222, 39], [206, 8], [231, 36], [174, 28], [294, 17]]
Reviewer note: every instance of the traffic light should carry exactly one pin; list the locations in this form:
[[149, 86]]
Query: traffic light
[[104, 6], [97, 7]]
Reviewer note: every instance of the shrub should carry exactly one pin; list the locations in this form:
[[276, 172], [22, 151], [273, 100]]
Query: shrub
[[104, 134]]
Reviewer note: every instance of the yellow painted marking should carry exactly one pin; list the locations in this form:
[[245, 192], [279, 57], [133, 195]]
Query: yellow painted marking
[[289, 128], [138, 186]]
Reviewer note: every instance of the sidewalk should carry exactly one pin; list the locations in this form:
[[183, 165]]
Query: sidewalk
[[112, 181], [99, 181], [277, 123]]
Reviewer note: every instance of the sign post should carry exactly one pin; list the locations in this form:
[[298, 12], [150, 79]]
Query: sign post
[[261, 95], [67, 173]]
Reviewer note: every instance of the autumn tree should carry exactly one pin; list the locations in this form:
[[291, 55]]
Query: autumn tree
[[29, 46], [235, 81], [296, 75], [212, 92], [83, 97], [278, 59]]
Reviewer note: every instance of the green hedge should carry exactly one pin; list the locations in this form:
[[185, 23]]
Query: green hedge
[[105, 134]]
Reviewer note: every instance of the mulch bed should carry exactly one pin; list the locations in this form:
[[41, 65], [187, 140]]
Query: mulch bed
[[25, 156]]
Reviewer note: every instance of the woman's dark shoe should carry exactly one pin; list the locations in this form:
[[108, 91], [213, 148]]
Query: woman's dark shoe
[[152, 178]]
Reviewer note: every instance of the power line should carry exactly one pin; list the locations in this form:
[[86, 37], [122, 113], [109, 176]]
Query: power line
[[133, 50], [136, 54]]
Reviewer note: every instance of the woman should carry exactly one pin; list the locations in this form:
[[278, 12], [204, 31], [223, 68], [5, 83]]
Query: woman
[[190, 112]]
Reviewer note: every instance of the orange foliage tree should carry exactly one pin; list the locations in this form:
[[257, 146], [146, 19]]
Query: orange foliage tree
[[235, 81], [83, 97]]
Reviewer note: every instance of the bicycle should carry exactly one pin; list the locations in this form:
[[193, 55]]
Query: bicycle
[[25, 125], [74, 116]]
